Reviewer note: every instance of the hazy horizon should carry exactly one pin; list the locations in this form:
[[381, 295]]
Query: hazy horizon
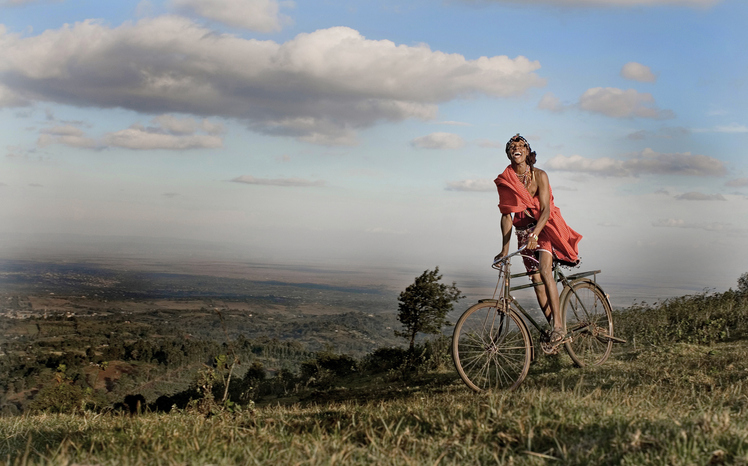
[[364, 137], [169, 255]]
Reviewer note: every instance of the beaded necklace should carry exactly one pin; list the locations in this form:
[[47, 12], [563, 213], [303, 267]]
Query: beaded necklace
[[525, 177]]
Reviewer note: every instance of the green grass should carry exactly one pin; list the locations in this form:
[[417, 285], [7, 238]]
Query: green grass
[[675, 405], [676, 394]]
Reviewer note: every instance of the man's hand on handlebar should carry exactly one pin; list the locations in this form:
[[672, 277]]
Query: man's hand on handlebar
[[503, 253]]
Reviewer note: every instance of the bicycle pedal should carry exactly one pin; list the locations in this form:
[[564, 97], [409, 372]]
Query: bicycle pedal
[[554, 348]]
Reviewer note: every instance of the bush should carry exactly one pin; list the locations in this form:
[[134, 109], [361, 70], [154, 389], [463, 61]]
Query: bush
[[704, 319], [64, 398], [384, 359], [743, 284]]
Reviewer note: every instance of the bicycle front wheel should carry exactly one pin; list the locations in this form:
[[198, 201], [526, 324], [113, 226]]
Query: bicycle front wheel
[[491, 348], [590, 321]]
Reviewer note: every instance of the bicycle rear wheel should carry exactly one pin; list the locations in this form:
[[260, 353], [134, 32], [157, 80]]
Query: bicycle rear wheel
[[491, 348], [589, 319]]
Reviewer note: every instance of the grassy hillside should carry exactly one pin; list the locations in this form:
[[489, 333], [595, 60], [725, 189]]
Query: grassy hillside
[[684, 404], [677, 393]]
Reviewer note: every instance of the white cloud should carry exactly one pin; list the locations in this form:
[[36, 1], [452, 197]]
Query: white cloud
[[471, 185], [170, 133], [647, 162], [605, 166], [734, 128], [138, 137], [286, 182], [731, 128], [696, 196], [454, 123], [612, 3], [666, 132], [617, 103], [67, 135], [257, 15], [319, 87], [680, 223], [175, 125], [438, 141], [638, 72], [9, 98], [737, 183], [16, 2], [551, 102]]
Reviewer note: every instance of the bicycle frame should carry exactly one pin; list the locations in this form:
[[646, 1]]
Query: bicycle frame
[[492, 346], [558, 276]]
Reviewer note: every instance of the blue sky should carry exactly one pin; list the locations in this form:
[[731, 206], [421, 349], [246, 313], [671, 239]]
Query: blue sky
[[358, 134]]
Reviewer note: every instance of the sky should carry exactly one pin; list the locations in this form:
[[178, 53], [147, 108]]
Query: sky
[[366, 134]]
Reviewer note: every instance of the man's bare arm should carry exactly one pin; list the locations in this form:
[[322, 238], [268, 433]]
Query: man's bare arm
[[506, 235], [544, 196]]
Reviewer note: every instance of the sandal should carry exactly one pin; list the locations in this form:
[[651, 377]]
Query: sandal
[[558, 338], [553, 341]]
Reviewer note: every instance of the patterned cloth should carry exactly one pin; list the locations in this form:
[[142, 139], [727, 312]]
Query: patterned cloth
[[531, 257], [514, 197]]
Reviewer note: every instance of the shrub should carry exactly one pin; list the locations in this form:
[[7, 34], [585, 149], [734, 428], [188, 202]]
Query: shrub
[[704, 319], [62, 397], [384, 359]]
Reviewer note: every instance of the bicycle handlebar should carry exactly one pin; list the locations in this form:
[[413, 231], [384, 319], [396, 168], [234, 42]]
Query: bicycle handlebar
[[498, 262]]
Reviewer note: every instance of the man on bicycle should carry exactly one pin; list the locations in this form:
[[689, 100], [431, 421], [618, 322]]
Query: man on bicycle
[[525, 192]]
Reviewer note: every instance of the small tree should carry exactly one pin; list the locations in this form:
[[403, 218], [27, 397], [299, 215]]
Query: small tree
[[743, 284], [424, 306]]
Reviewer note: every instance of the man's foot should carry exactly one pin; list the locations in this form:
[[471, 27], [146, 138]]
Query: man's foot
[[558, 338], [555, 340]]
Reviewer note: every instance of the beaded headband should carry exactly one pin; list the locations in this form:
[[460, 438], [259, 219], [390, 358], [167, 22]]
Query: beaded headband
[[516, 138]]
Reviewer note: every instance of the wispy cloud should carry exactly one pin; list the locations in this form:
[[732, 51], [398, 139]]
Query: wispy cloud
[[611, 102], [647, 162], [438, 141], [666, 132], [285, 182], [638, 72], [610, 3], [167, 133], [550, 102], [489, 144], [619, 103], [471, 185], [453, 123], [737, 183], [9, 98], [680, 223], [21, 2], [697, 196], [731, 128], [256, 15], [67, 135], [138, 137]]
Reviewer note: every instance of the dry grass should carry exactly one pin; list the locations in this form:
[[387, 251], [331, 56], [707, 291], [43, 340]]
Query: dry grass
[[671, 406]]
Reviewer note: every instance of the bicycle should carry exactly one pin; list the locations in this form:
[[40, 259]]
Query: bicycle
[[492, 346]]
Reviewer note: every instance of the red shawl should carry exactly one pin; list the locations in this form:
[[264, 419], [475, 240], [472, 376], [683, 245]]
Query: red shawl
[[514, 197]]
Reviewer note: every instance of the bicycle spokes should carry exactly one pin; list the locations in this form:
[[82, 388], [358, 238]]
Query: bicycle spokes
[[491, 348]]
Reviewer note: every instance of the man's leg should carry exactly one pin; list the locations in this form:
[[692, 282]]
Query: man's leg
[[541, 295], [550, 290]]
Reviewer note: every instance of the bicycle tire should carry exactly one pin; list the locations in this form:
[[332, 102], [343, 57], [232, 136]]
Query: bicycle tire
[[589, 318], [491, 348]]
